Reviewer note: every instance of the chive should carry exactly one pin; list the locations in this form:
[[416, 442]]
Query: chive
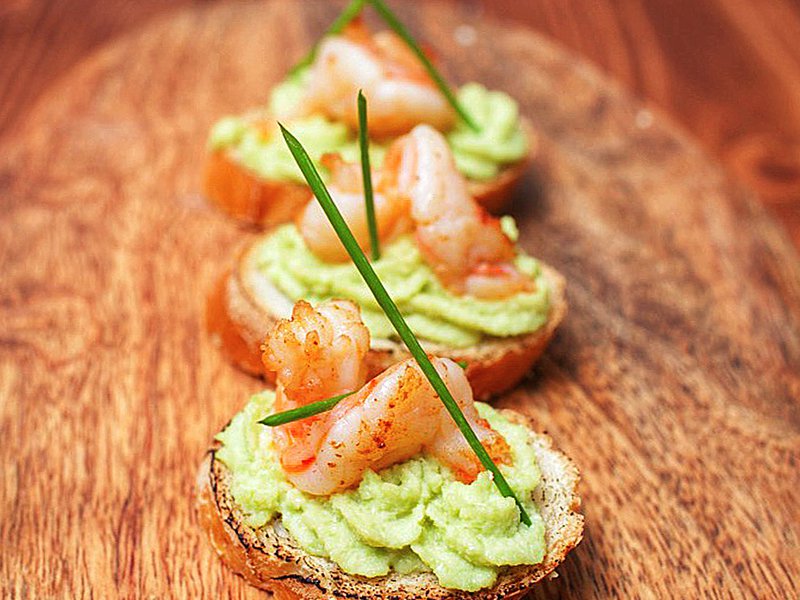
[[303, 412], [363, 142], [392, 21], [390, 308], [462, 363], [350, 12]]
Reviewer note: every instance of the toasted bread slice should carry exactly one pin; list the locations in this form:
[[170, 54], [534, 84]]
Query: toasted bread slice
[[243, 194], [269, 558], [244, 306]]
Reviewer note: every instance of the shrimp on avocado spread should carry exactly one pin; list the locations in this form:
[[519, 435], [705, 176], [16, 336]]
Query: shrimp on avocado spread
[[382, 492], [319, 354]]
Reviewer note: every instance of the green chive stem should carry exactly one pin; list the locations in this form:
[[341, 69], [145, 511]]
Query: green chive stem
[[392, 21], [363, 142], [393, 313], [303, 412], [350, 12]]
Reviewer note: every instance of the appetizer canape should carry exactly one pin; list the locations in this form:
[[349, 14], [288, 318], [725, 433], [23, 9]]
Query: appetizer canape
[[466, 289], [384, 495], [251, 175]]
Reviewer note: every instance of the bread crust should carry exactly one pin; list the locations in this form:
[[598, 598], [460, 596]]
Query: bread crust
[[244, 195], [266, 203], [238, 321], [270, 559]]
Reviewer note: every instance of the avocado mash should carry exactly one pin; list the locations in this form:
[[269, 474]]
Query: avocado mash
[[432, 312], [412, 516], [479, 155]]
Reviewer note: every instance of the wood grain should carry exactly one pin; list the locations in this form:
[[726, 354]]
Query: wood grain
[[674, 382]]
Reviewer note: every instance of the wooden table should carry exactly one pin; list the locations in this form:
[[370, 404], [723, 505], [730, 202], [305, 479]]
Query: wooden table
[[674, 382], [728, 71]]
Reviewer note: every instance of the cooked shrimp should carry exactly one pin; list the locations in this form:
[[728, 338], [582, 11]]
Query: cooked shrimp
[[395, 416], [419, 188], [346, 188], [401, 94], [319, 353], [390, 419], [465, 246]]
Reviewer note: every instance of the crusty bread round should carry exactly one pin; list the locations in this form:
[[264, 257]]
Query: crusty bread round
[[269, 558], [248, 197], [244, 306]]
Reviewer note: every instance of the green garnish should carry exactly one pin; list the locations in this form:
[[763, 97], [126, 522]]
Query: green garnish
[[363, 143], [350, 12], [390, 308], [393, 22], [303, 412]]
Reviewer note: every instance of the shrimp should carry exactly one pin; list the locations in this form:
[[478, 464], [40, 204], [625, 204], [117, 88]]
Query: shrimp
[[346, 188], [419, 189], [393, 417], [465, 246], [319, 353], [401, 94], [316, 355]]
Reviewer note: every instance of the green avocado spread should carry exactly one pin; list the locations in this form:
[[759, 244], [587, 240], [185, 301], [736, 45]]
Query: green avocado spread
[[479, 155], [413, 516], [433, 313]]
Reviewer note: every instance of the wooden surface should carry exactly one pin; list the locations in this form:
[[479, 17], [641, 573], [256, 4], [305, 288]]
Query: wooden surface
[[673, 384], [727, 70]]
